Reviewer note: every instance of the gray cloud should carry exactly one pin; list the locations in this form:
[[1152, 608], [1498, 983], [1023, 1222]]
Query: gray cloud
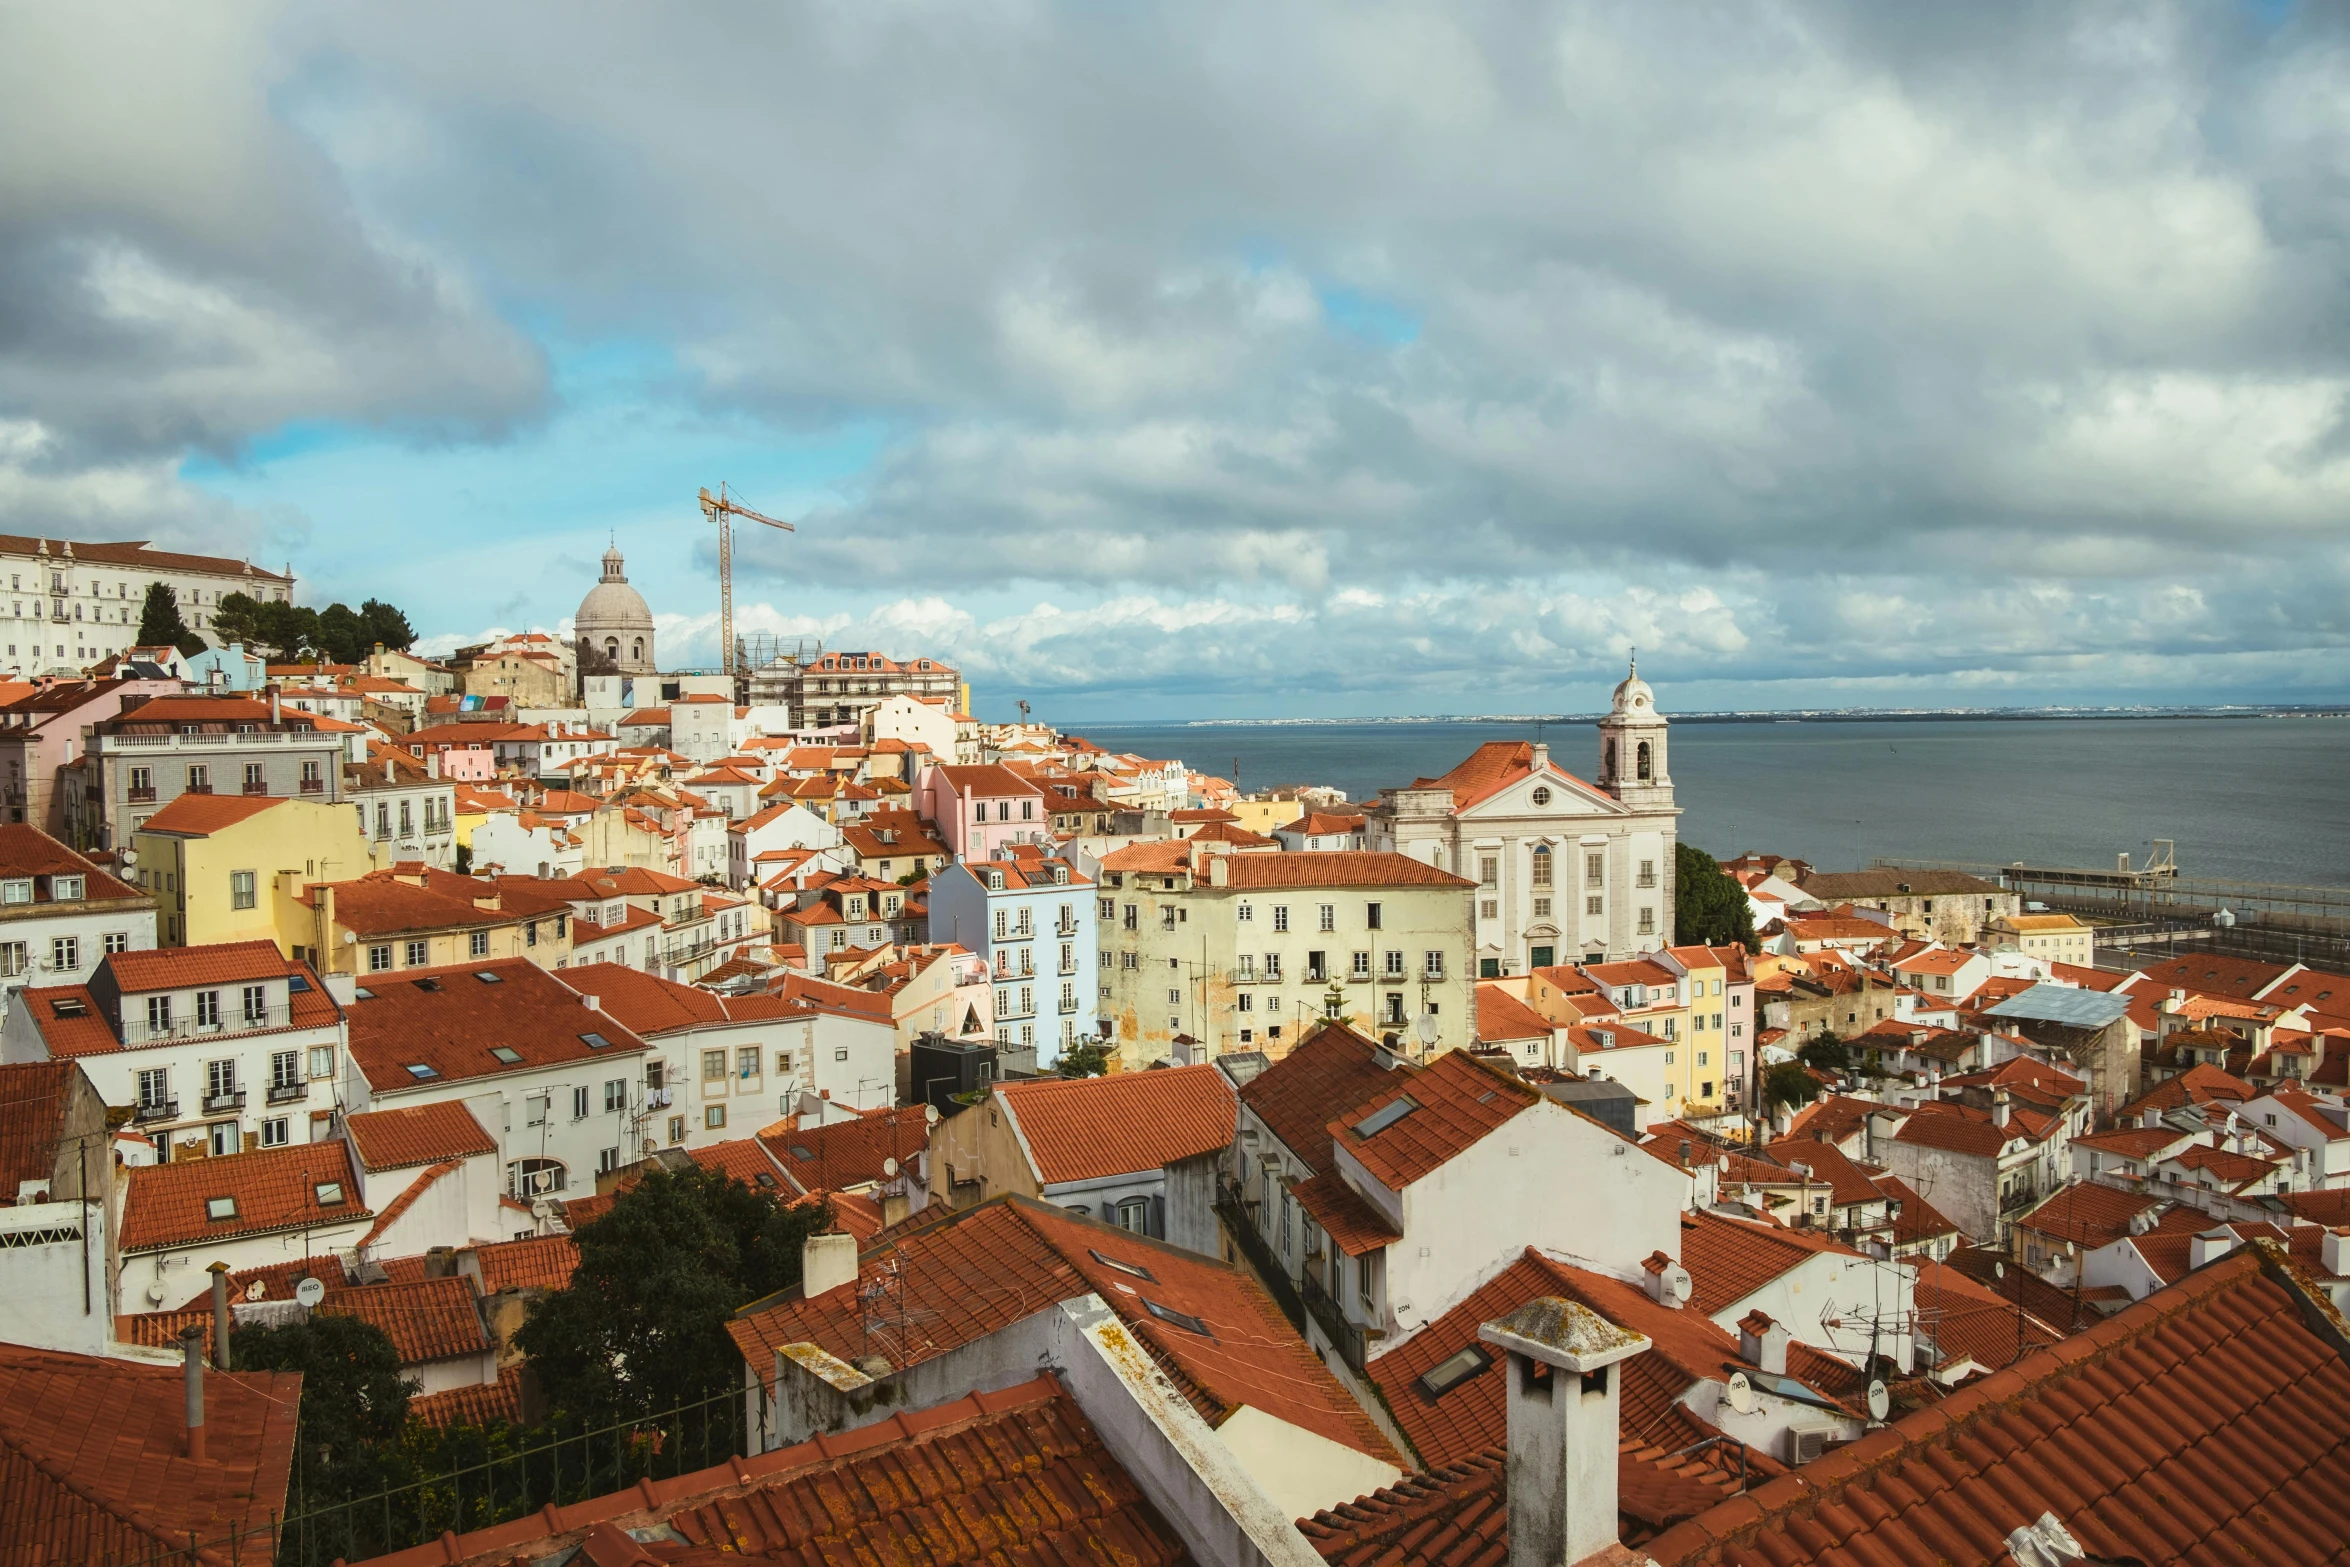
[[1425, 346]]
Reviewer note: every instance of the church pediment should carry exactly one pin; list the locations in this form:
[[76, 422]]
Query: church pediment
[[1567, 798]]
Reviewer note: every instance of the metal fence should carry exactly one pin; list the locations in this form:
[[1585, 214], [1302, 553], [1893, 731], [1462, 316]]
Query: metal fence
[[507, 1482]]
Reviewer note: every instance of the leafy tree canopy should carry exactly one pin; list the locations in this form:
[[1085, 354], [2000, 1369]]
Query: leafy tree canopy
[[354, 1403], [642, 1326], [289, 633], [1709, 907], [386, 625], [1788, 1083], [160, 622], [1086, 1058], [1827, 1052]]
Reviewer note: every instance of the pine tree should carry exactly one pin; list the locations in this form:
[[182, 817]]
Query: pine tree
[[159, 620]]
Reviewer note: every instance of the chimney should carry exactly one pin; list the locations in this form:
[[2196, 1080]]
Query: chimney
[[440, 1262], [192, 1358], [1999, 1108], [1565, 1395], [2150, 1118], [1763, 1342], [1669, 1283], [220, 1322], [826, 1263], [2210, 1245], [1541, 756], [275, 716], [592, 1003], [2333, 1252]]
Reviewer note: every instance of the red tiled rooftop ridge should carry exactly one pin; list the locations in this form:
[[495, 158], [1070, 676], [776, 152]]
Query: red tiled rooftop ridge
[[1083, 1128]]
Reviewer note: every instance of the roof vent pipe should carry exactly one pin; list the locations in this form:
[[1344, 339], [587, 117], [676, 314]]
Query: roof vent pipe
[[220, 1315], [192, 1357]]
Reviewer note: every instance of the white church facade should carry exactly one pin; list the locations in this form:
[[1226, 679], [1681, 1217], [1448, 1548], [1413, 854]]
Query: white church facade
[[1567, 871]]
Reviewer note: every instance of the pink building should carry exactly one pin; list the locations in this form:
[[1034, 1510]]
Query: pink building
[[42, 733], [468, 752], [980, 810]]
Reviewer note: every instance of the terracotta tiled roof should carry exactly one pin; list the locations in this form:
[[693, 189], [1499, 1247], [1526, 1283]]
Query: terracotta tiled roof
[[1457, 1101], [2203, 1424], [186, 968], [1333, 1065], [1967, 1321], [418, 1134], [1729, 1259], [1083, 1128], [1353, 1225], [1502, 1016], [1335, 868], [377, 905], [94, 1467], [541, 1262], [201, 815], [2201, 1083], [28, 851], [472, 1406], [273, 1189], [1957, 1128], [990, 1266], [33, 1099], [849, 1153], [429, 1320], [449, 1020], [1834, 1117], [1918, 1221], [1488, 770], [2087, 1213]]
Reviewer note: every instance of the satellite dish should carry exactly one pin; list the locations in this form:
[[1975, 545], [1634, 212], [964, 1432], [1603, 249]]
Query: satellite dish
[[309, 1292], [1426, 1028], [155, 1293], [1879, 1399], [889, 1169], [130, 857], [1999, 1270], [542, 1209], [1739, 1395]]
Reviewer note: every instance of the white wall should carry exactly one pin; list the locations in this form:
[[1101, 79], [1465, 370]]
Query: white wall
[[42, 1302], [1850, 1290]]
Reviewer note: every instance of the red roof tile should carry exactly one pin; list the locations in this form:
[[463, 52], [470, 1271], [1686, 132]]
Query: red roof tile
[[1334, 868], [2208, 1423], [1958, 1128], [176, 968], [91, 1451], [990, 1266], [201, 815], [33, 1100], [449, 1020], [418, 1134], [849, 1153], [1333, 1065], [428, 1320], [1489, 769], [1457, 1101], [1353, 1225], [1729, 1259], [542, 1262], [274, 1189], [1083, 1128], [2087, 1213], [472, 1406], [992, 1480]]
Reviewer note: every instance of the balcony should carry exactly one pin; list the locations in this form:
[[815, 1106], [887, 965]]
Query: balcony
[[234, 1099], [1252, 976], [150, 1110], [142, 796], [256, 786], [1343, 1335], [314, 786], [1068, 1005], [142, 1031], [2018, 1200], [289, 1093], [1065, 929]]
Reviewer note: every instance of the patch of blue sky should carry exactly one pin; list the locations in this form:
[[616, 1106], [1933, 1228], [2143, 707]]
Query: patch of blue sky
[[1368, 317]]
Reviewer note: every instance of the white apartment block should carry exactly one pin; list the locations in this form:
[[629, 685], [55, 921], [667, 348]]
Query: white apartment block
[[71, 603]]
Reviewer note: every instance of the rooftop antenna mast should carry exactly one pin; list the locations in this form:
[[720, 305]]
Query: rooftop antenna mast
[[721, 509]]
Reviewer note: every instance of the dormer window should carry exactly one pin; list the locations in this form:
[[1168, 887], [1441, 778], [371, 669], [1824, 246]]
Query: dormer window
[[995, 881], [66, 889], [16, 889]]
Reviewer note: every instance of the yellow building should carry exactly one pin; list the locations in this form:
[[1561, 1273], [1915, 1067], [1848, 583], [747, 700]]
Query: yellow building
[[220, 865], [2052, 938], [390, 920]]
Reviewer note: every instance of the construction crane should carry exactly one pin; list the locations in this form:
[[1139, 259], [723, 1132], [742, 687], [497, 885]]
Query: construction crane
[[720, 509]]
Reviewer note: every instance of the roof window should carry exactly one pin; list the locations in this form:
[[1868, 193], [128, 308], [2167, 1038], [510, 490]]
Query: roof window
[[329, 1193], [1384, 1117], [489, 978], [1131, 1269], [426, 984], [421, 1072], [1453, 1370], [507, 1054], [220, 1207], [596, 1041], [16, 889], [69, 1006], [802, 1151], [362, 993], [1183, 1320], [297, 983]]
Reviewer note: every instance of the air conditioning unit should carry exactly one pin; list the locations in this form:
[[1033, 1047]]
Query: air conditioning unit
[[1806, 1442]]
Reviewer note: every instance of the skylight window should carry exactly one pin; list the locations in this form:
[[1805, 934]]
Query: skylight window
[[362, 993], [802, 1151], [1131, 1269], [69, 1006], [488, 978], [507, 1053], [329, 1193], [220, 1207], [1384, 1117], [426, 984], [1183, 1320], [1453, 1370], [297, 984], [421, 1072], [596, 1041]]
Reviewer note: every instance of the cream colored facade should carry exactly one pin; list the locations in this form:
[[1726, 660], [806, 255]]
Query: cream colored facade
[[226, 882], [2052, 938], [1247, 951]]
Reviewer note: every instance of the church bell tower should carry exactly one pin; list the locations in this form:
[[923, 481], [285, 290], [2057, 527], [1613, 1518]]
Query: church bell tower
[[1632, 747]]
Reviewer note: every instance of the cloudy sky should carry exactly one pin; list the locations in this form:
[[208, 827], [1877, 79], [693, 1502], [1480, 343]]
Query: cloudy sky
[[1250, 359]]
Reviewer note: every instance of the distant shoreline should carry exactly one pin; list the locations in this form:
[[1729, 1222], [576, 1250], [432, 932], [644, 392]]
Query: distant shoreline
[[1853, 715]]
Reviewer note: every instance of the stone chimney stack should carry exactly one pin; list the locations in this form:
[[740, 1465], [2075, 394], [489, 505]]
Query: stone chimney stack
[[1565, 1393], [2211, 1244], [192, 1361], [1763, 1342], [826, 1263]]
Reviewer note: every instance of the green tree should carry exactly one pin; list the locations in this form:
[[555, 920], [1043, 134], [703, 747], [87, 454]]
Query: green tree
[[386, 625], [1828, 1052], [642, 1326], [1788, 1083], [1086, 1058], [160, 623], [1709, 907], [354, 1403], [237, 618], [342, 634]]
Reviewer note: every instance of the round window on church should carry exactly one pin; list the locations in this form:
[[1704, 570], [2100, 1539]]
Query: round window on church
[[1542, 797]]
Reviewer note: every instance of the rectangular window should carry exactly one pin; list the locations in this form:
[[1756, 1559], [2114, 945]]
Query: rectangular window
[[199, 778], [1273, 966], [1488, 870], [1317, 967], [118, 941], [1245, 913], [379, 958], [65, 953], [746, 1062], [1595, 870], [1542, 908], [1109, 908], [1541, 876], [159, 1014], [241, 893], [254, 782], [220, 1078], [1435, 969], [285, 1070], [616, 1090], [1489, 908], [579, 1103], [1133, 917], [13, 958], [713, 1066], [154, 1089], [1329, 916], [276, 1132], [677, 1126], [419, 953], [1647, 876], [1361, 968], [713, 1118], [142, 783], [1647, 921], [208, 1009], [322, 1060], [1280, 917], [1371, 916], [1591, 905], [1395, 968], [478, 944]]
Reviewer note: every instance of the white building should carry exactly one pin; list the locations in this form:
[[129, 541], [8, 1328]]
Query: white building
[[1566, 870], [213, 1050], [71, 603], [59, 914]]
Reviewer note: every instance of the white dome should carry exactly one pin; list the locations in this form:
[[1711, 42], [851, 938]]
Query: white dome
[[616, 618], [1633, 695]]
